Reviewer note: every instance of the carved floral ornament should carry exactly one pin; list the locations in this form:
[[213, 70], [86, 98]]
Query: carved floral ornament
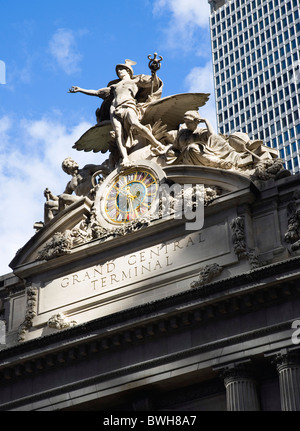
[[239, 241], [207, 274], [211, 271], [60, 321], [292, 235], [31, 294]]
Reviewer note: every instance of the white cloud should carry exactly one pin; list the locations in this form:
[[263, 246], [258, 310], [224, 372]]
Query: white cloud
[[186, 12], [25, 171], [63, 48], [5, 125], [187, 16], [2, 72], [200, 80]]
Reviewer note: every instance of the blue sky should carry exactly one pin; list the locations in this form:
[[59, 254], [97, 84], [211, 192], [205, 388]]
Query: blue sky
[[49, 46]]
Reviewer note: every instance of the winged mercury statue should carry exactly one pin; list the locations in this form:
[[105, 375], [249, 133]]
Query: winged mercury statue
[[132, 110]]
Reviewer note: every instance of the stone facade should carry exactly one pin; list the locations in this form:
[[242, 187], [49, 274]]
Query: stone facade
[[165, 279], [194, 324]]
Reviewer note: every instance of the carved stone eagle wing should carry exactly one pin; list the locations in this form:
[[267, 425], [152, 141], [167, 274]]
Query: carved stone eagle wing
[[95, 139], [170, 110]]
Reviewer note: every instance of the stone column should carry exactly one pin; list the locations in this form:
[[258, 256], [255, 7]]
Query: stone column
[[241, 388], [288, 368]]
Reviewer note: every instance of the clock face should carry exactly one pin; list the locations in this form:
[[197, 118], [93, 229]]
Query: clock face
[[131, 195]]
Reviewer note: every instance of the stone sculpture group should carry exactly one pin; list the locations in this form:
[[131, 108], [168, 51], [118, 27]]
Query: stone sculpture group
[[135, 123]]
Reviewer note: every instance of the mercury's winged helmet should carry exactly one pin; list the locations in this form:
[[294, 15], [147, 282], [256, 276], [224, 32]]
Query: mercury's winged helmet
[[127, 65]]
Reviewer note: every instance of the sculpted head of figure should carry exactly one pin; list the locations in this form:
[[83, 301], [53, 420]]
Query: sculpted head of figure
[[192, 119], [126, 66], [69, 166], [121, 70]]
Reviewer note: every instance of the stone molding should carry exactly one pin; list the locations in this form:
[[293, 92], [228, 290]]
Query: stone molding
[[142, 322], [133, 335], [222, 306], [81, 353]]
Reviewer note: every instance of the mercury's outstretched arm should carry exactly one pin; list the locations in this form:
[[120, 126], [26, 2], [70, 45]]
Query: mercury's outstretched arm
[[102, 92]]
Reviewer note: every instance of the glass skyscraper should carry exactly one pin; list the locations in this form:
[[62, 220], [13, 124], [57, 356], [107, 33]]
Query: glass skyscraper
[[256, 53]]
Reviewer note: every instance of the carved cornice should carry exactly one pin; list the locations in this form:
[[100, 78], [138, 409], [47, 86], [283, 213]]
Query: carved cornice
[[155, 320], [82, 352], [194, 299]]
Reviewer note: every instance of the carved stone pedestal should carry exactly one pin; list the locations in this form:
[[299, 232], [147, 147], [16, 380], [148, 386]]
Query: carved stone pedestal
[[241, 391], [288, 367]]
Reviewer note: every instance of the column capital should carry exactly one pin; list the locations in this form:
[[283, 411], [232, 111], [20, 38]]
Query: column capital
[[236, 371], [240, 384], [286, 358]]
